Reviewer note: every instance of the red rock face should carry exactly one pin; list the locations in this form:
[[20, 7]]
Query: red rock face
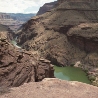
[[18, 66], [65, 35]]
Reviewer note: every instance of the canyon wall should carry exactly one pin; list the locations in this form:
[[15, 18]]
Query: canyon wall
[[18, 66], [49, 33], [66, 35]]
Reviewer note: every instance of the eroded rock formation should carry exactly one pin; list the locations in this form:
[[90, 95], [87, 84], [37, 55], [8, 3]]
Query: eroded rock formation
[[18, 66], [14, 21]]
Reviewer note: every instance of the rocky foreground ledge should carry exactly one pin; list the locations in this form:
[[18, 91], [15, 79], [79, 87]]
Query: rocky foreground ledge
[[53, 88]]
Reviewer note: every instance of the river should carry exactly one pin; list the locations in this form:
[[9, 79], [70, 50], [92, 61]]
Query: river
[[15, 43], [67, 73], [71, 74]]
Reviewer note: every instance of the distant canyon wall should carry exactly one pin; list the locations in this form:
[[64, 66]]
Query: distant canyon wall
[[14, 21]]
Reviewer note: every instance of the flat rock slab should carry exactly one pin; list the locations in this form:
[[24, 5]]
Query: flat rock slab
[[53, 88]]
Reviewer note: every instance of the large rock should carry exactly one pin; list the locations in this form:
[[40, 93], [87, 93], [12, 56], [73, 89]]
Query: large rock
[[52, 88], [18, 66]]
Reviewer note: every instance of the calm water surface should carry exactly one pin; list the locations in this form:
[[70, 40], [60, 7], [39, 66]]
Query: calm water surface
[[15, 44], [71, 74]]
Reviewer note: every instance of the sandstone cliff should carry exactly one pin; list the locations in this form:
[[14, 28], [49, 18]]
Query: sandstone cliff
[[52, 88], [18, 66], [46, 7]]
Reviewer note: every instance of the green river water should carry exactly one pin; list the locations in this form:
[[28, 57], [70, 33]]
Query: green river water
[[71, 74], [67, 73]]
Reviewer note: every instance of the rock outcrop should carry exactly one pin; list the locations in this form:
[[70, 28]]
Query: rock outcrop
[[53, 88], [18, 66], [46, 7]]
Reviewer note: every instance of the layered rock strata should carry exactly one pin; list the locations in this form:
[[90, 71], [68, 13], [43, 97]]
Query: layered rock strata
[[18, 66]]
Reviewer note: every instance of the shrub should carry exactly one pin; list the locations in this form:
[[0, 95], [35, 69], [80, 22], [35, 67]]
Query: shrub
[[92, 78]]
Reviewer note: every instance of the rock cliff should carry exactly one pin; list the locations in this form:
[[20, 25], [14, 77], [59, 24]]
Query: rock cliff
[[18, 66], [65, 35], [52, 88], [46, 7]]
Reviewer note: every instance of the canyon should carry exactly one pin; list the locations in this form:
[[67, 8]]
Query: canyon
[[66, 35], [18, 66]]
